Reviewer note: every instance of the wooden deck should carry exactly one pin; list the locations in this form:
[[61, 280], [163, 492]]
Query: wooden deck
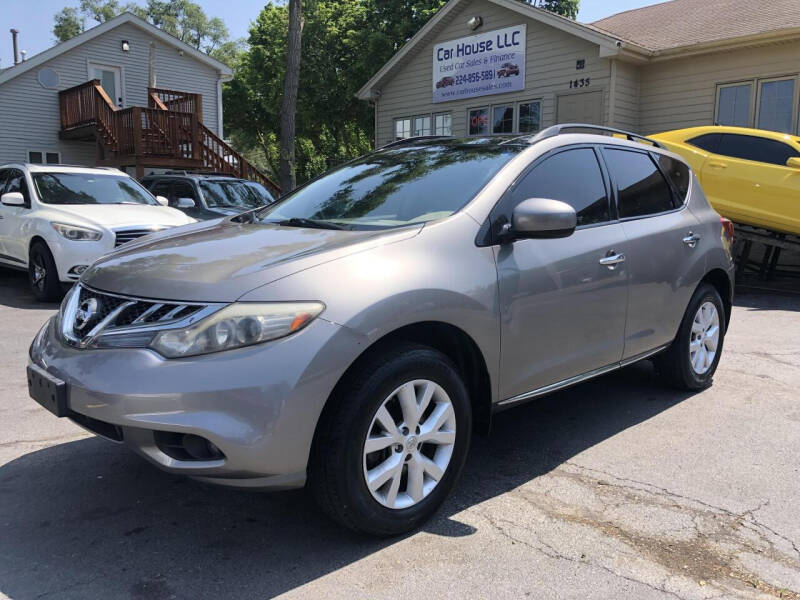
[[168, 133]]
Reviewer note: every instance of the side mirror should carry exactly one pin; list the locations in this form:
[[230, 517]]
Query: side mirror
[[162, 201], [543, 218], [793, 162], [185, 203], [13, 199]]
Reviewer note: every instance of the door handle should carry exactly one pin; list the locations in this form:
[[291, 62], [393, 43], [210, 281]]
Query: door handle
[[718, 165], [612, 260], [691, 240]]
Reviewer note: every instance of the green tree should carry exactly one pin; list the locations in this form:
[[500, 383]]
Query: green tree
[[566, 8], [183, 19], [68, 23]]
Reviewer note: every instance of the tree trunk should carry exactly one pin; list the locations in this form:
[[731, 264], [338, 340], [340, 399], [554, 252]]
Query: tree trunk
[[291, 82]]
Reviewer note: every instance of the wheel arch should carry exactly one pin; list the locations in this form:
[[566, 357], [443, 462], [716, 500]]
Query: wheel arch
[[35, 239], [451, 341], [721, 281]]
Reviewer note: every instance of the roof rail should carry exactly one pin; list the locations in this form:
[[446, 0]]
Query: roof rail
[[188, 172], [559, 129], [417, 138]]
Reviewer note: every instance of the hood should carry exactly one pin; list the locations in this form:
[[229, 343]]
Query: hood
[[220, 261], [112, 216]]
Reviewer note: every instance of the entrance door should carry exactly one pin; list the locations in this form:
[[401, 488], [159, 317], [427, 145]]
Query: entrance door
[[111, 79], [581, 108]]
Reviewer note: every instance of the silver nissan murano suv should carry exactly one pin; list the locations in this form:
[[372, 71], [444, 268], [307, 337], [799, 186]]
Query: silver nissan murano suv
[[354, 334]]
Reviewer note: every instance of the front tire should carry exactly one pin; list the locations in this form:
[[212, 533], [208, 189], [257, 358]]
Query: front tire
[[391, 446], [43, 274], [691, 360]]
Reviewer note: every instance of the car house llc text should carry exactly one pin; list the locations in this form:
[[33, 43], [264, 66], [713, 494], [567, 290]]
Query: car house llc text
[[464, 49]]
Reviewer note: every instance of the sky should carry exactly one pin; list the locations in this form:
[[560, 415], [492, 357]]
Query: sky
[[34, 19]]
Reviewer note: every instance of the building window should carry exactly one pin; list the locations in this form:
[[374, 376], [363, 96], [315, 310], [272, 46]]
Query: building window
[[733, 104], [422, 125], [530, 117], [479, 121], [38, 157], [402, 129], [776, 105], [443, 124], [502, 119]]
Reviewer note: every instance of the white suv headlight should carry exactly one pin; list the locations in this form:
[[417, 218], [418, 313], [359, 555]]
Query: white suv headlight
[[76, 233], [235, 326]]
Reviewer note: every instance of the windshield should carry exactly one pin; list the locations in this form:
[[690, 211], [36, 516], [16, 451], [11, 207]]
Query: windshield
[[94, 188], [235, 194], [396, 186]]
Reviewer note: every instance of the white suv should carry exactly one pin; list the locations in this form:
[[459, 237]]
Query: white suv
[[55, 221]]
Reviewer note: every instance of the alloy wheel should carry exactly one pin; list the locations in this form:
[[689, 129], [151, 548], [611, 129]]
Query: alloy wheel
[[409, 444], [704, 338], [39, 272]]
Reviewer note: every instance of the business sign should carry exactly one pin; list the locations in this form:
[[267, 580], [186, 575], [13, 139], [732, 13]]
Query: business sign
[[487, 63]]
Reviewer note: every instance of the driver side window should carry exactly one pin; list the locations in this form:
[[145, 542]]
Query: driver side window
[[572, 176]]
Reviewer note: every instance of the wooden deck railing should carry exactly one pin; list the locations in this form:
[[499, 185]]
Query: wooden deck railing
[[173, 100], [170, 127]]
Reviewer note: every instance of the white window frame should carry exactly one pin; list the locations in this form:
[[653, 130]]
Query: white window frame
[[760, 83], [755, 97], [513, 107], [395, 137], [414, 125], [538, 101], [442, 114], [44, 154], [753, 93], [488, 109]]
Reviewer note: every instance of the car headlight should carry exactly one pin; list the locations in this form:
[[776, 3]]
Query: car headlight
[[236, 326], [77, 234]]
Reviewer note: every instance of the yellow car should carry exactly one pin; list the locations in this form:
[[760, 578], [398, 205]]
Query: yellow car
[[750, 176]]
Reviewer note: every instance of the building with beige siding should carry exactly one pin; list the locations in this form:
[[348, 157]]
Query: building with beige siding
[[677, 64]]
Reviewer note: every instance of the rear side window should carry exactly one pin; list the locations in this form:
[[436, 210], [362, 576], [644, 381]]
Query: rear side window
[[641, 186], [573, 177], [678, 173], [749, 147], [708, 142]]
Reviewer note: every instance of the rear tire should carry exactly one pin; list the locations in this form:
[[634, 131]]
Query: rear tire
[[43, 274], [368, 409], [691, 360]]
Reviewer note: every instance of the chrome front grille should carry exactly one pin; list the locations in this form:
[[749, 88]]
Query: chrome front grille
[[123, 236], [92, 318]]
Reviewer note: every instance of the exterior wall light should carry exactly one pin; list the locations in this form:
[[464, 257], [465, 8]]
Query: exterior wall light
[[126, 46], [474, 23]]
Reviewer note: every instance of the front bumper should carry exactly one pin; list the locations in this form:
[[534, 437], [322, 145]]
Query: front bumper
[[258, 405]]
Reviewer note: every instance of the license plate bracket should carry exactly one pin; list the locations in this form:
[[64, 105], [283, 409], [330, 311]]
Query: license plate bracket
[[48, 390]]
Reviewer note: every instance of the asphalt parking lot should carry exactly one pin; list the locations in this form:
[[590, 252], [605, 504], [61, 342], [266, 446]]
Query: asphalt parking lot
[[618, 488]]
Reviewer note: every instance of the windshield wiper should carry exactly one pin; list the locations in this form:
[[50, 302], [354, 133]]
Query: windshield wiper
[[310, 223]]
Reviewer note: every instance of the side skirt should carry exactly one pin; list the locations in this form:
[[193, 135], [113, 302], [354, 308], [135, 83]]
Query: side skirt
[[560, 385]]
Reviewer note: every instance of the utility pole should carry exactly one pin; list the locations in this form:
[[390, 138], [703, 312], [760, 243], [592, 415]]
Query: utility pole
[[288, 175]]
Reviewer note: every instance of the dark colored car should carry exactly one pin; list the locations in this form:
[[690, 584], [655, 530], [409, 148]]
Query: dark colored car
[[445, 82], [508, 70], [207, 195]]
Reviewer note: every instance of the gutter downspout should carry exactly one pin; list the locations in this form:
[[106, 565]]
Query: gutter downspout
[[612, 94], [152, 82]]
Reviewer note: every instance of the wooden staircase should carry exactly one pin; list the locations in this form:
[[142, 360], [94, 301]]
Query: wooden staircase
[[168, 133]]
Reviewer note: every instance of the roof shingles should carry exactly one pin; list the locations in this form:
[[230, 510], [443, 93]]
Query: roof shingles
[[679, 23]]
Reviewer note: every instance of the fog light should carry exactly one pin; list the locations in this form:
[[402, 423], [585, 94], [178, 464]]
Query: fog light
[[200, 448]]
